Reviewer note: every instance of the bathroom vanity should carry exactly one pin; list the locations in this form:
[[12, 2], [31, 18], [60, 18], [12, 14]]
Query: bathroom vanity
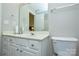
[[20, 20], [25, 44]]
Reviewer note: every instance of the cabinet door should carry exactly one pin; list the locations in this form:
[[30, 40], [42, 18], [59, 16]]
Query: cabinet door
[[4, 46], [18, 41], [13, 51], [5, 52]]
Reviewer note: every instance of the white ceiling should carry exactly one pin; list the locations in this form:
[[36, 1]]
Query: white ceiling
[[41, 7], [59, 5], [37, 7]]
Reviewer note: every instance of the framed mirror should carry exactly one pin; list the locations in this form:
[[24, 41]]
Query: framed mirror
[[33, 17]]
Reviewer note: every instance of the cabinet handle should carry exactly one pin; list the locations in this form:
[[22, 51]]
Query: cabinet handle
[[17, 49], [32, 45]]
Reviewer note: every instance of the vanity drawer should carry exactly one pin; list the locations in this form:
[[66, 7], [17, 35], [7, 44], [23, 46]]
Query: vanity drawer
[[34, 45], [22, 42], [19, 41], [25, 53], [20, 51]]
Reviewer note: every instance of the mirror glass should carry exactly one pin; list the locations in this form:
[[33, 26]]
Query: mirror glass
[[34, 17]]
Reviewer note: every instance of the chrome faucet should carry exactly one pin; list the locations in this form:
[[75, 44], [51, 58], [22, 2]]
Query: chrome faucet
[[32, 33]]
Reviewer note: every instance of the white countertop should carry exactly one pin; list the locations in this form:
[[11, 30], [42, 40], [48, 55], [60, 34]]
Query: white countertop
[[65, 38], [38, 35]]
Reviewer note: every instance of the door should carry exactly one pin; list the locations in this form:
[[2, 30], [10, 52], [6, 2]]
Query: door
[[31, 22]]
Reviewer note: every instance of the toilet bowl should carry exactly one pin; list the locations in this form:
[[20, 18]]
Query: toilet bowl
[[64, 46]]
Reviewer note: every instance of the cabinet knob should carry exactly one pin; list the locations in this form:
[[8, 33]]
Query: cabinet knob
[[17, 49], [32, 45], [21, 51]]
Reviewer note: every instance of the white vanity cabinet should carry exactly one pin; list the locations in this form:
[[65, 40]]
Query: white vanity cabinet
[[15, 46]]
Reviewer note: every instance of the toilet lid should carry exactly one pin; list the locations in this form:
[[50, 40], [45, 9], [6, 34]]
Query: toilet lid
[[65, 38]]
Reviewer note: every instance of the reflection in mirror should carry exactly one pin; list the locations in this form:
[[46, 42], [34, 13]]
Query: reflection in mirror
[[34, 17], [31, 22]]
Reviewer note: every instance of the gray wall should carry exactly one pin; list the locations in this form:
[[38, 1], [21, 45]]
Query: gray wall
[[64, 22], [10, 15]]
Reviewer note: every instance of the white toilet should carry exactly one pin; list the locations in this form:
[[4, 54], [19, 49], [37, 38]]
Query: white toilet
[[64, 46]]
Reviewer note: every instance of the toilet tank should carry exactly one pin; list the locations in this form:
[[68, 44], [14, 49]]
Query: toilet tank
[[65, 46]]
